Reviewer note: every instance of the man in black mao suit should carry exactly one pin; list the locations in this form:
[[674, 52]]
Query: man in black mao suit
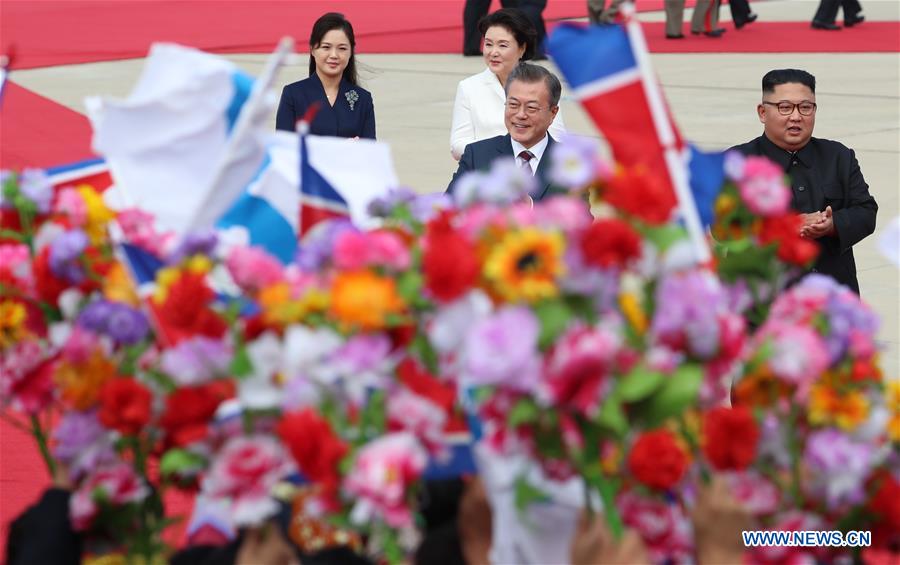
[[532, 101], [829, 190]]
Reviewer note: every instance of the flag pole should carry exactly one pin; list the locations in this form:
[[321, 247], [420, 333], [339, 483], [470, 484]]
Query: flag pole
[[666, 134], [242, 127]]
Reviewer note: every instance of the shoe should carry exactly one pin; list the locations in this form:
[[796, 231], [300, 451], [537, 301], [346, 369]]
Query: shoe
[[825, 26], [714, 33], [853, 20], [676, 36], [750, 19]]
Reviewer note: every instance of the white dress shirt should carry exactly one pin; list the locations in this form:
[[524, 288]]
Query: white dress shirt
[[537, 151], [478, 112]]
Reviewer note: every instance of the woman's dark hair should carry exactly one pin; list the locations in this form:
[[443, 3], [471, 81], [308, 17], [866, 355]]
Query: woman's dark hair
[[328, 22], [515, 23]]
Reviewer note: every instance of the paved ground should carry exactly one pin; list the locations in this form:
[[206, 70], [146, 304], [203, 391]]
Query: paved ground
[[713, 97]]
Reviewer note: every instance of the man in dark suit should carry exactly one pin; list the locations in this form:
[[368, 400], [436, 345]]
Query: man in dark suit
[[829, 190], [532, 101]]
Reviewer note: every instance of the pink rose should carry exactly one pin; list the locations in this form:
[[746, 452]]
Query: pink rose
[[381, 477], [115, 485], [421, 417], [578, 368], [244, 473], [252, 268], [763, 188]]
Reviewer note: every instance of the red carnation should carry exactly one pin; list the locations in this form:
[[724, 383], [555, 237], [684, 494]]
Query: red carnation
[[190, 409], [730, 437], [657, 460], [316, 448], [48, 285], [884, 506], [785, 231], [610, 243], [442, 393], [449, 261], [640, 194], [125, 405], [185, 313]]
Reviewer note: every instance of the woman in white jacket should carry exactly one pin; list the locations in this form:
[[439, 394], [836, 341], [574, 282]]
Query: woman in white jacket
[[478, 110]]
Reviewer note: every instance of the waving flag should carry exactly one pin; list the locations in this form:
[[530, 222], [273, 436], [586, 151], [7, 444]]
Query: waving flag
[[163, 143], [93, 172], [301, 184], [608, 67]]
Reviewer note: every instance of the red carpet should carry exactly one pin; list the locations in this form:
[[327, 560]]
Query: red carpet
[[37, 132], [59, 32]]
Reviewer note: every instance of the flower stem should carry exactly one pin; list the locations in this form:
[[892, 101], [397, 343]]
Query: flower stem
[[41, 437], [608, 494]]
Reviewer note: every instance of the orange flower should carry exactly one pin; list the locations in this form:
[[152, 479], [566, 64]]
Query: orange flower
[[827, 406], [365, 300], [760, 388], [13, 318], [80, 383]]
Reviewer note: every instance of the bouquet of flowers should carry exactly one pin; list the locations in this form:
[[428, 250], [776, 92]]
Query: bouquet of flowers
[[758, 247], [812, 442]]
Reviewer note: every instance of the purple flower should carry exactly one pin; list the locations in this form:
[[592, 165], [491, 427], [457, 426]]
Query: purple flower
[[124, 324], [573, 163], [35, 185], [838, 467], [197, 360], [506, 183], [82, 443], [197, 243], [65, 251], [384, 206], [316, 248], [688, 305], [501, 349], [426, 206]]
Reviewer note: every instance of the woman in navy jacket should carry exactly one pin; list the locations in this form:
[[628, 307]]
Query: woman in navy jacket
[[345, 109]]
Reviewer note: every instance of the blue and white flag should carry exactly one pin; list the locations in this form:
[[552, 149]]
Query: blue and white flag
[[340, 175], [164, 144]]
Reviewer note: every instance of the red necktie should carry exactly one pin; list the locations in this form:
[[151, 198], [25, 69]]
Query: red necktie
[[526, 156]]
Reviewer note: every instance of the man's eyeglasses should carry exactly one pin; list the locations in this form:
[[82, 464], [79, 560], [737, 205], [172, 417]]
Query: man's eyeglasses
[[787, 108], [530, 109]]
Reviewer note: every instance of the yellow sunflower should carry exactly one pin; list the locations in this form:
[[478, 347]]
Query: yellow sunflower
[[365, 300], [525, 265]]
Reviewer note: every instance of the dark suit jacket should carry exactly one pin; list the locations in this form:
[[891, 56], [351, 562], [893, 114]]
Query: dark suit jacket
[[341, 120], [826, 173], [478, 156]]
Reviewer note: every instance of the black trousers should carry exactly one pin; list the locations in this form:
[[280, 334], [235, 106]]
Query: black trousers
[[828, 9], [740, 11], [474, 10]]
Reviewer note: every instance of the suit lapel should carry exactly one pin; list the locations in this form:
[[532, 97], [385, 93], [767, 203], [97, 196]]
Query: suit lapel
[[543, 169]]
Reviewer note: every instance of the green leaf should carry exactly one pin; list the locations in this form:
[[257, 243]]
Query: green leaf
[[426, 352], [179, 461], [675, 395], [663, 237], [752, 261], [554, 317], [612, 416], [638, 384], [524, 412], [241, 366], [409, 286], [527, 494]]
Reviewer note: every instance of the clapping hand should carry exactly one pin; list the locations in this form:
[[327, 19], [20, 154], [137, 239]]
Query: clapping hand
[[817, 224]]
